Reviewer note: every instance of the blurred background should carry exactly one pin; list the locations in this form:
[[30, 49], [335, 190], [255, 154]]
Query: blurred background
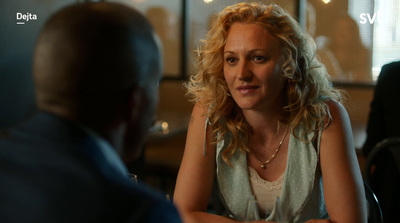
[[355, 38]]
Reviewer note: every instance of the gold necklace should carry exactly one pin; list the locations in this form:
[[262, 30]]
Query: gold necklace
[[263, 164]]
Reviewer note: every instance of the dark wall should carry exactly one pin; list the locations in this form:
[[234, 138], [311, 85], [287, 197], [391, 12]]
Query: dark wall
[[16, 48]]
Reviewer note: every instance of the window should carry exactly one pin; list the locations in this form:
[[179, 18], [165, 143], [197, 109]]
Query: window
[[165, 16], [355, 38]]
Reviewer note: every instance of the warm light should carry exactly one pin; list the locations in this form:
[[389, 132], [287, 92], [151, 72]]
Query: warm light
[[164, 127], [326, 1], [208, 1]]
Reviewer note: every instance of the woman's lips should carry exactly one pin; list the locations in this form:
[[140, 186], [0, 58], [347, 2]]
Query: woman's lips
[[244, 90]]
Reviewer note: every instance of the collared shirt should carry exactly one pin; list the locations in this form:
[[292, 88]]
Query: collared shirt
[[108, 151]]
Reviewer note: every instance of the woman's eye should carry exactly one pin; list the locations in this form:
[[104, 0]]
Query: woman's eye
[[259, 58], [230, 60]]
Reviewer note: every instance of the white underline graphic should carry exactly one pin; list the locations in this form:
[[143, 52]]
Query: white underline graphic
[[20, 23]]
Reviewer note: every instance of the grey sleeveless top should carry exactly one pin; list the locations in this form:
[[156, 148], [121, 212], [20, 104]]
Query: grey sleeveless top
[[302, 193]]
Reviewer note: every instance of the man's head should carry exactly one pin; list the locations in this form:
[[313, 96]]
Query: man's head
[[98, 64]]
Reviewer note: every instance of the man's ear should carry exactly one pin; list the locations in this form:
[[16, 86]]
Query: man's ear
[[135, 104]]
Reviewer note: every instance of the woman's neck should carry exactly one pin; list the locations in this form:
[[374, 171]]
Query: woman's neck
[[264, 123]]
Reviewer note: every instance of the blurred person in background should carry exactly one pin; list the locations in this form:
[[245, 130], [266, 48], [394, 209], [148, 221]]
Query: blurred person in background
[[383, 123], [344, 55]]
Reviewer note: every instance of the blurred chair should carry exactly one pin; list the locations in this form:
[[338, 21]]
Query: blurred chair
[[390, 146], [382, 174], [374, 209]]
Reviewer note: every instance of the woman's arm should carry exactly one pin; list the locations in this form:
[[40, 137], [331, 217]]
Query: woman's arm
[[196, 174], [342, 181]]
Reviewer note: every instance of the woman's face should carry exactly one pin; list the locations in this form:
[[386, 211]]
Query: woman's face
[[252, 68]]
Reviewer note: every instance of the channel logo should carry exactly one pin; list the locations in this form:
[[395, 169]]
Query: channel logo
[[23, 18], [367, 17]]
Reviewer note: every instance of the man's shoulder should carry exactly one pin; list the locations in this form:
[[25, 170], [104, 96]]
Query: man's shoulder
[[393, 65], [74, 185], [152, 206], [390, 71], [48, 168]]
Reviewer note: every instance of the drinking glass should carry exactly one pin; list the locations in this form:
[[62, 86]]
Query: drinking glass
[[133, 178], [251, 210], [278, 210]]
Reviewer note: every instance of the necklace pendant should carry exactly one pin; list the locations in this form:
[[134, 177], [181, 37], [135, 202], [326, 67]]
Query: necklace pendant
[[262, 166]]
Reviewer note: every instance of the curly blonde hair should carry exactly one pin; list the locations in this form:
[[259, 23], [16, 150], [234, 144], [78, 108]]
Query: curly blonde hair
[[307, 87]]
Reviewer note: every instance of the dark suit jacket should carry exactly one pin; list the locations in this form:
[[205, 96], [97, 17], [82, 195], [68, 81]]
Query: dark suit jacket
[[384, 116], [52, 171]]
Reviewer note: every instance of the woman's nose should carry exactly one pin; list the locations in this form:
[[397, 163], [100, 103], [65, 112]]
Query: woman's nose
[[244, 72]]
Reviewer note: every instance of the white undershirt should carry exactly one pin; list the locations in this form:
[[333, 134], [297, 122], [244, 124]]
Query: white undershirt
[[265, 192]]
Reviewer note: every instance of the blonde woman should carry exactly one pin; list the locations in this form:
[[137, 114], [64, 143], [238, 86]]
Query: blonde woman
[[267, 125]]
